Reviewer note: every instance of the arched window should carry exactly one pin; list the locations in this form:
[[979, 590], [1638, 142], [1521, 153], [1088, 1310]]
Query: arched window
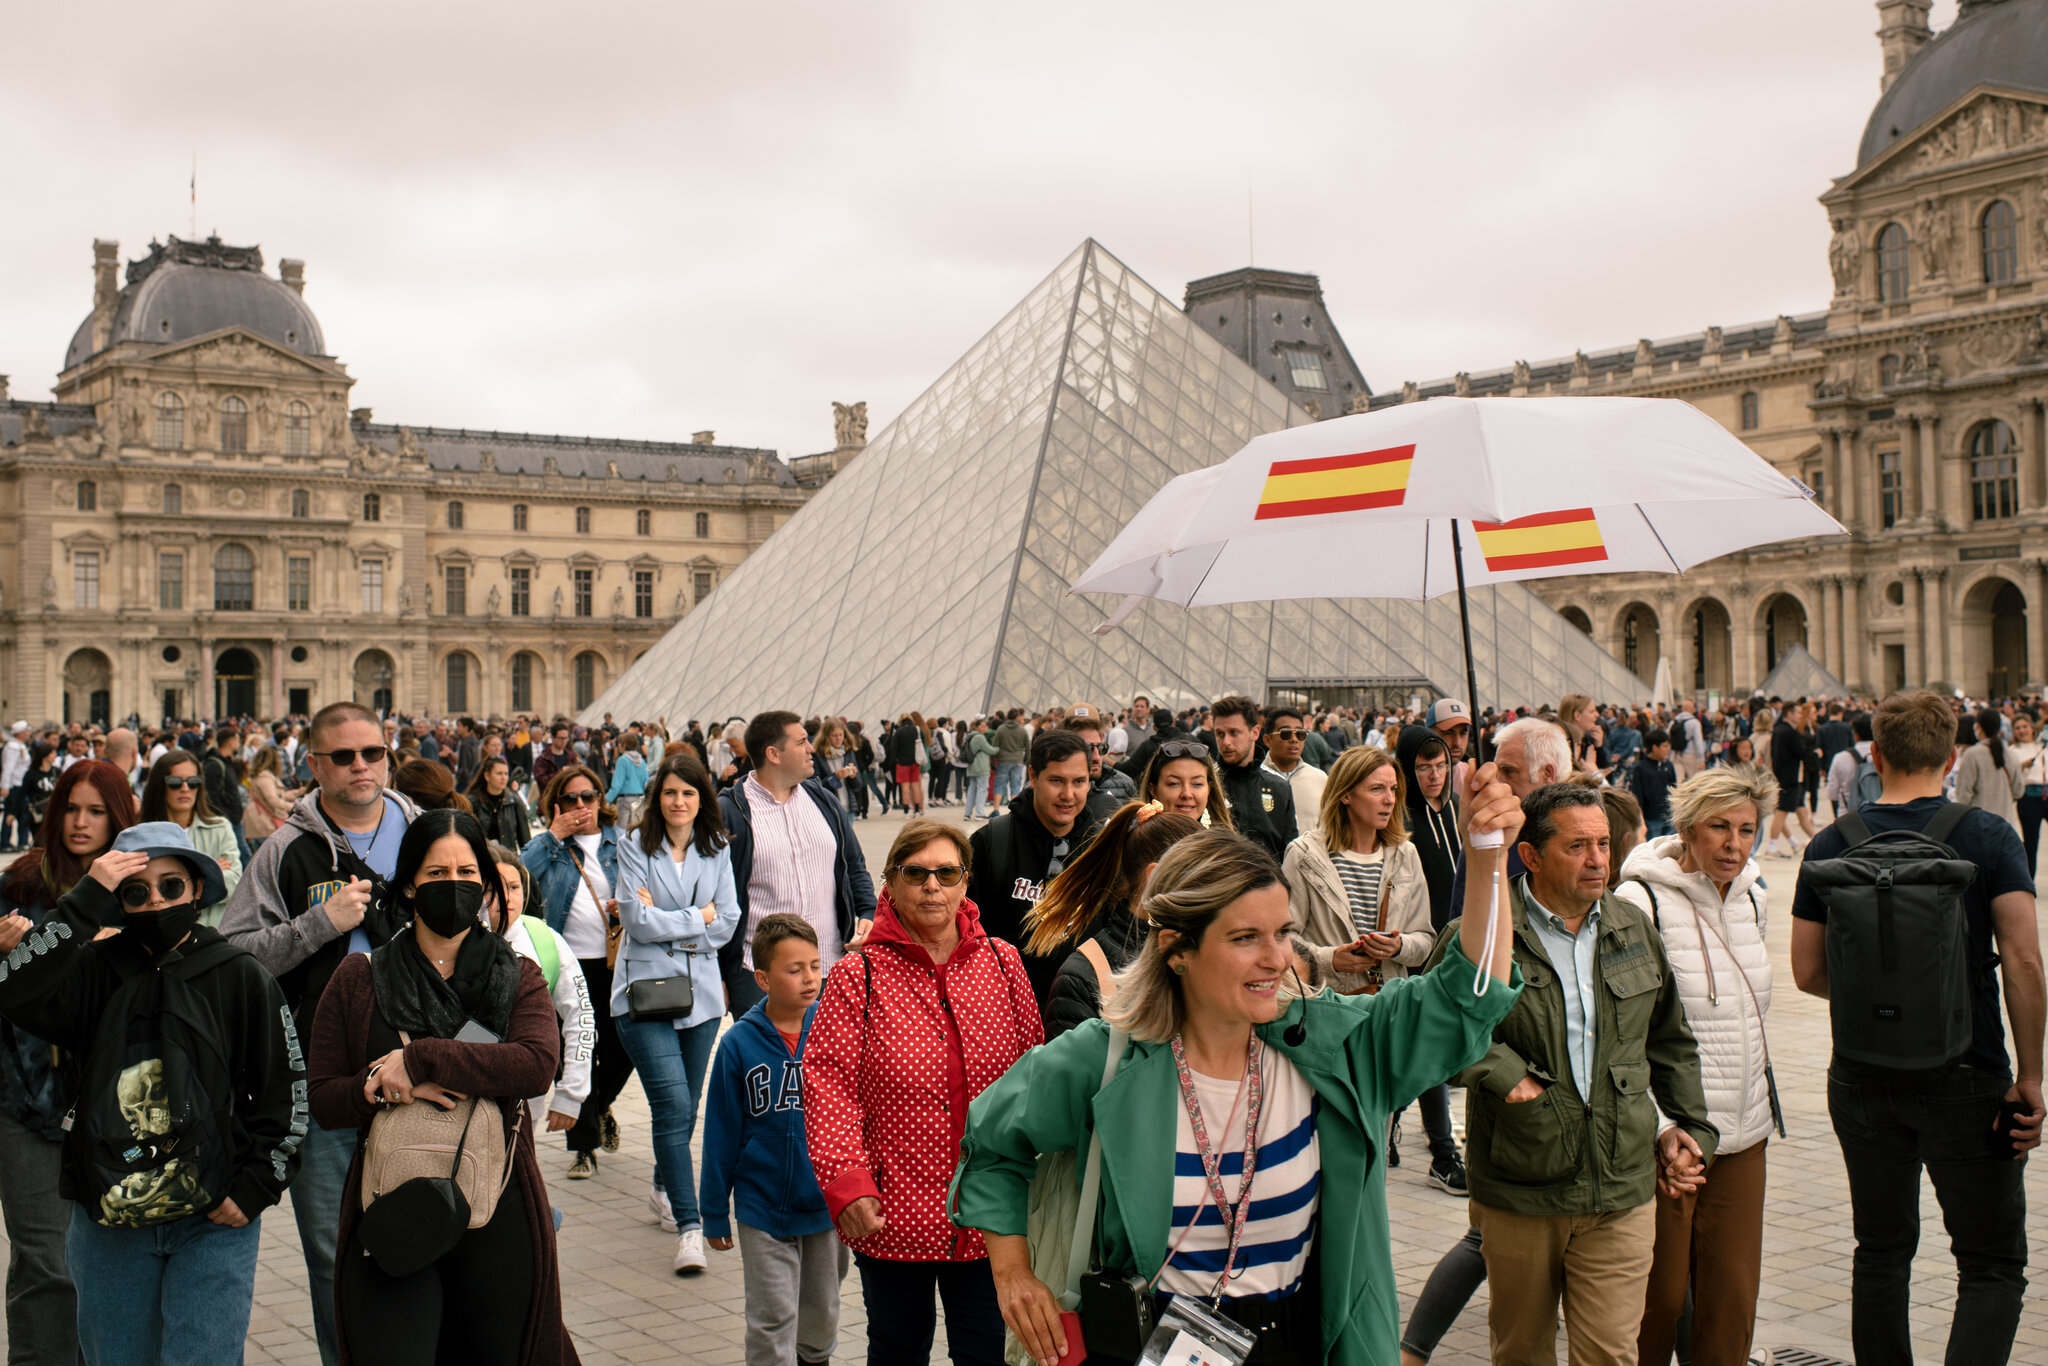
[[174, 499], [703, 525], [643, 523], [302, 503], [522, 682], [1629, 643], [170, 422], [234, 579], [1751, 411], [582, 521], [2001, 239], [458, 682], [1994, 472], [298, 429], [586, 679], [519, 516], [455, 516], [234, 425], [88, 496], [373, 508], [1887, 371], [1894, 275]]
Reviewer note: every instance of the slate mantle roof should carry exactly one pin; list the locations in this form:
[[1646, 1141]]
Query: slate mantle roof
[[587, 457]]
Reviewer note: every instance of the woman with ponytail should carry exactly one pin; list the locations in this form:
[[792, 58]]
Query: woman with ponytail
[[1097, 896], [1984, 778]]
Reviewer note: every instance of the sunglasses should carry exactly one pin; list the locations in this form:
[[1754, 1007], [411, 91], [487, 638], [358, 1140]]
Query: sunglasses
[[1290, 734], [949, 874], [180, 784], [135, 894], [345, 758], [1185, 749], [580, 798]]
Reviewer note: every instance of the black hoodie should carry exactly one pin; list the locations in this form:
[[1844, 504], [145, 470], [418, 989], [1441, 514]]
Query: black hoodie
[[1434, 831], [1013, 857]]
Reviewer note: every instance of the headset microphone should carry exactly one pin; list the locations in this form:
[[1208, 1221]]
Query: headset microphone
[[1296, 1034]]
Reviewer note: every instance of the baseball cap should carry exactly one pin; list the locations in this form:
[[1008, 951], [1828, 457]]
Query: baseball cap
[[1082, 711], [1447, 710]]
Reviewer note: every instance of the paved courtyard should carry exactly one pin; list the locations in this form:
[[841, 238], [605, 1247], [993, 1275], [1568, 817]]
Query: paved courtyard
[[624, 1305]]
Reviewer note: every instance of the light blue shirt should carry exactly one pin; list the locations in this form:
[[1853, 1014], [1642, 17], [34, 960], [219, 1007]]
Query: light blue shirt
[[379, 849], [1572, 955]]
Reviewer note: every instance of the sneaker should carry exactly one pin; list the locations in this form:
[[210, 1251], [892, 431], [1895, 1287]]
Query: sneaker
[[608, 1132], [584, 1167], [1448, 1179], [1394, 1144], [690, 1252], [657, 1204]]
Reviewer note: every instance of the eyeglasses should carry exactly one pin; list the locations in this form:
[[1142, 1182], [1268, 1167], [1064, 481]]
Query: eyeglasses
[[135, 894], [180, 784], [346, 758], [580, 798], [1290, 734], [1184, 749], [949, 874]]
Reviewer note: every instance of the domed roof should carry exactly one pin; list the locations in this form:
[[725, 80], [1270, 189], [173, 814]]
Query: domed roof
[[1992, 42], [188, 289]]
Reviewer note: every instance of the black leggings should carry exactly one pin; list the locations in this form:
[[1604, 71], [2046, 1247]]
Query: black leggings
[[610, 1069], [469, 1307]]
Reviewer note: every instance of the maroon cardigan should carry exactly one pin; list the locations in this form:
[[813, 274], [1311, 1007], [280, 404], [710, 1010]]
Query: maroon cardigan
[[523, 1065]]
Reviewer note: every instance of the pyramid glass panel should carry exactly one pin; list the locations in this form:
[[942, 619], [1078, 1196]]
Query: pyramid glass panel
[[932, 572]]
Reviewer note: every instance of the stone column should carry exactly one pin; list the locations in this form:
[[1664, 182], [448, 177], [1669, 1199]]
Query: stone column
[[1941, 627], [1818, 628], [1919, 458], [276, 678], [203, 704], [2037, 622], [1838, 495], [2037, 451], [1742, 675], [1915, 638], [1855, 638]]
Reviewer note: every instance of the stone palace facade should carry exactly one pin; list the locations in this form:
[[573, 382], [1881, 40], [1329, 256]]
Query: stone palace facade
[[200, 525]]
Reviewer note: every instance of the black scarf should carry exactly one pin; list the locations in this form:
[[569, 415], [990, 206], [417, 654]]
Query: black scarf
[[416, 999]]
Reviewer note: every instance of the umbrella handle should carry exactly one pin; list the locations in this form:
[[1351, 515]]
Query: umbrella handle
[[1483, 978]]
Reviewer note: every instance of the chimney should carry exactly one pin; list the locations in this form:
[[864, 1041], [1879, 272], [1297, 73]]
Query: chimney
[[3, 389], [106, 290], [293, 273], [1902, 31], [703, 438]]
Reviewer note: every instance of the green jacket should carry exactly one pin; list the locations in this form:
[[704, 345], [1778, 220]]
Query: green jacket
[[1366, 1056], [1555, 1154], [980, 750]]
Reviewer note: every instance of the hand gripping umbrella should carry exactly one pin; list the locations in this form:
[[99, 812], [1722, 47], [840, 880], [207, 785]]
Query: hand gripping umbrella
[[1422, 499]]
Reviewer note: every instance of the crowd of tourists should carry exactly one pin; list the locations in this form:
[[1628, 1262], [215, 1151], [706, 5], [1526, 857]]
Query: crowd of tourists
[[377, 964]]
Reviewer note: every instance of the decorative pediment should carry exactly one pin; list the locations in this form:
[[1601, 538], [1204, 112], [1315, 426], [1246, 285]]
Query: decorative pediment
[[85, 540], [1983, 124], [374, 550], [237, 348], [456, 556], [645, 561]]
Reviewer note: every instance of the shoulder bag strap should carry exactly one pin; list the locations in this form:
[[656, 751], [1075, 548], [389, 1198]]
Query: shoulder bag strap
[[1762, 1033], [1656, 909], [1105, 984], [1091, 1183]]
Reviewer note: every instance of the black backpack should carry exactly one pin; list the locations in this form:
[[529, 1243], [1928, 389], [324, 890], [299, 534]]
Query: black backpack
[[150, 1131], [1898, 951]]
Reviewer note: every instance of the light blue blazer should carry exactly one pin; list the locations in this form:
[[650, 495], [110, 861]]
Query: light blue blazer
[[670, 938]]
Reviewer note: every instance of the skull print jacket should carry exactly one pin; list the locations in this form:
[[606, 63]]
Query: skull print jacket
[[62, 984]]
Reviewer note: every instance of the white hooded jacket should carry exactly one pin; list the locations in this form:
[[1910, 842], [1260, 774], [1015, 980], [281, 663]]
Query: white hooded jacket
[[1715, 946]]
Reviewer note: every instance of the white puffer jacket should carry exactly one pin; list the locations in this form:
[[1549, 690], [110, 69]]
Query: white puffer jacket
[[1722, 941]]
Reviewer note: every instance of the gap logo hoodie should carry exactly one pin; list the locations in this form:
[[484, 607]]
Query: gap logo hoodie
[[756, 1158]]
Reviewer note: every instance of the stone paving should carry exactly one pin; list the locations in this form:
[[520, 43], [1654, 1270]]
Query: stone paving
[[624, 1305]]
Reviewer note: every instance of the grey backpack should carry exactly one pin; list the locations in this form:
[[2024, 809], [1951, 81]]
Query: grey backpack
[[1897, 943]]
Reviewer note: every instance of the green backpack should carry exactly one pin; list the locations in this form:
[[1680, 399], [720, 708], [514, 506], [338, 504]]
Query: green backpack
[[545, 948]]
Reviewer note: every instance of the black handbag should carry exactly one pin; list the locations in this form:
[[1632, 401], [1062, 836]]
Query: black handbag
[[411, 1227], [652, 1000]]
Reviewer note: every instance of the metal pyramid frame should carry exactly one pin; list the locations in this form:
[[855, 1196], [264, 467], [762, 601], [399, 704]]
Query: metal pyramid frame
[[932, 572]]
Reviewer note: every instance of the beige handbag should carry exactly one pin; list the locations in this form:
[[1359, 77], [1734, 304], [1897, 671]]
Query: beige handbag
[[422, 1140]]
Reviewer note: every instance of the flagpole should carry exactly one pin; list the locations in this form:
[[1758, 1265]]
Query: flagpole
[[1465, 625]]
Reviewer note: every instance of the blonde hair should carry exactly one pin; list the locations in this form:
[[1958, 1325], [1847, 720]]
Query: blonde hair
[[1712, 791], [1105, 873], [1353, 767], [1196, 881]]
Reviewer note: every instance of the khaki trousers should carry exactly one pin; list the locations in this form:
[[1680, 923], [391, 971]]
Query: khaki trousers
[[1598, 1263], [1714, 1238]]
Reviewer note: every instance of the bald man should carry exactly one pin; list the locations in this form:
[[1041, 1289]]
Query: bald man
[[121, 753]]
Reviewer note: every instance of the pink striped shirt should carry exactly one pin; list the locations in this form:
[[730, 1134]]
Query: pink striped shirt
[[794, 850]]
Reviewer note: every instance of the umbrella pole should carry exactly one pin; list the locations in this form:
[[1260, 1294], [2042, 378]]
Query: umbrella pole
[[1465, 625]]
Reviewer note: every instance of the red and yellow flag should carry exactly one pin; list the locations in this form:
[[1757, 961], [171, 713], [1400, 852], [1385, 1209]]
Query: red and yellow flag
[[1336, 483], [1541, 541]]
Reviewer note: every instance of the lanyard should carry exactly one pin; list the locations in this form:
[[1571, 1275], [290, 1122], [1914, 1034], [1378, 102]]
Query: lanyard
[[1254, 1090]]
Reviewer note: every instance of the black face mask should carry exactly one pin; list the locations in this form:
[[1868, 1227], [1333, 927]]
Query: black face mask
[[161, 931], [448, 908]]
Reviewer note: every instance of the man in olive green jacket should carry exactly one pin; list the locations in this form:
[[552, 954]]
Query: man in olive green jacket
[[1563, 1152]]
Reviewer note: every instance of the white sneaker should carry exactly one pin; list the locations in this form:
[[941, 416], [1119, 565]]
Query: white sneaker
[[658, 1206], [690, 1252]]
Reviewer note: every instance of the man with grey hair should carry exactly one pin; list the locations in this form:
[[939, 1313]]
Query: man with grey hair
[[1528, 754]]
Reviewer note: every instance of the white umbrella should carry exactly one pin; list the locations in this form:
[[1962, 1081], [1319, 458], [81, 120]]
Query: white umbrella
[[1422, 499]]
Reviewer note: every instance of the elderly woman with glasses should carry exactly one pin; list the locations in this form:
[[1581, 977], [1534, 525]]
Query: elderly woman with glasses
[[910, 1027]]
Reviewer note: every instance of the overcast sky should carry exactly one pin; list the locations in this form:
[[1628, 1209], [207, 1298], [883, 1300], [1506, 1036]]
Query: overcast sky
[[646, 220]]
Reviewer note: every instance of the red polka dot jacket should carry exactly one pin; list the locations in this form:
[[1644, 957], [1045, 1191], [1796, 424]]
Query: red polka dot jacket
[[898, 1048]]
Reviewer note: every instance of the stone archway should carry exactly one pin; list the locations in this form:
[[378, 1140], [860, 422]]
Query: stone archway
[[235, 676], [1638, 640], [1994, 622], [374, 678], [89, 688], [1706, 648], [1577, 617], [1780, 624]]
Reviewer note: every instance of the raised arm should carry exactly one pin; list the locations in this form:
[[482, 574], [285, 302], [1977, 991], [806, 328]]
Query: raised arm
[[1489, 805]]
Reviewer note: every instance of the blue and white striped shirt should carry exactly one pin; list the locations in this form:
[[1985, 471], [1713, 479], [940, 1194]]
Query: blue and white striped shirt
[[1285, 1190]]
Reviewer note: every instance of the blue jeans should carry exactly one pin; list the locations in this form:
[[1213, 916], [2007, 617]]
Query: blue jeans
[[974, 792], [1009, 781], [161, 1296], [316, 1207], [672, 1064], [1658, 829]]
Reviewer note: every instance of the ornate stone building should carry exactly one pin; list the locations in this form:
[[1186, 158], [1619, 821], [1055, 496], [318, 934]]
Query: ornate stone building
[[200, 524], [1916, 404]]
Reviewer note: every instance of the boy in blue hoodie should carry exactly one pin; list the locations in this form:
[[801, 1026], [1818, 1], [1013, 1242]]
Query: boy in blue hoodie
[[756, 1156]]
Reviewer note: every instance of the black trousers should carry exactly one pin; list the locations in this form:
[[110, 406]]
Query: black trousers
[[610, 1069], [902, 1316], [469, 1307], [1891, 1126]]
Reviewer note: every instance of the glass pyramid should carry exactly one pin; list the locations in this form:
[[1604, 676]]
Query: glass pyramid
[[932, 572]]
